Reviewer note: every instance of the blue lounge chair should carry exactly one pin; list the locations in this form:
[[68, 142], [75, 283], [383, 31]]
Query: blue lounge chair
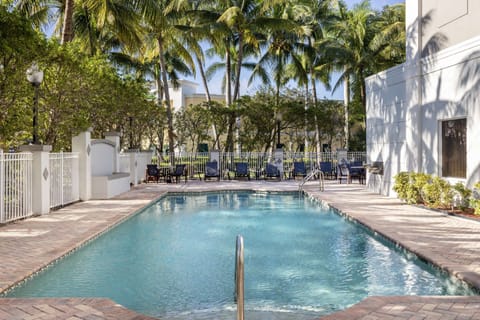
[[211, 170], [271, 171], [299, 170], [241, 170], [179, 172], [326, 168], [357, 171], [152, 173]]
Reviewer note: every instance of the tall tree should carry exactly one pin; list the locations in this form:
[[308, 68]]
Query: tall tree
[[161, 19], [67, 31]]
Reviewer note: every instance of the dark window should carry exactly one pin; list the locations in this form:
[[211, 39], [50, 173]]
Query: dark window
[[454, 148]]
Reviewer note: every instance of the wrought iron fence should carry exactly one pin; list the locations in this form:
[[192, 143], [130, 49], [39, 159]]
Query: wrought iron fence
[[15, 186], [64, 188], [195, 161]]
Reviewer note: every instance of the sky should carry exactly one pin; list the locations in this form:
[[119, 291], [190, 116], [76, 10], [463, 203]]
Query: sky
[[215, 82]]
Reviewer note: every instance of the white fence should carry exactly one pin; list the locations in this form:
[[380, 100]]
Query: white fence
[[124, 162], [63, 179], [16, 176], [15, 186]]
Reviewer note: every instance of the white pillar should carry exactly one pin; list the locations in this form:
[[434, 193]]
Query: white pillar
[[414, 86], [133, 153], [40, 177], [413, 25], [115, 138], [278, 161], [81, 143]]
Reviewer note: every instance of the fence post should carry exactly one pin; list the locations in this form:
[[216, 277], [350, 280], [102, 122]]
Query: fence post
[[278, 161], [40, 177], [2, 186], [62, 173], [81, 144], [133, 167]]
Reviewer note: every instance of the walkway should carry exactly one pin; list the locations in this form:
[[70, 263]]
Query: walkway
[[453, 243]]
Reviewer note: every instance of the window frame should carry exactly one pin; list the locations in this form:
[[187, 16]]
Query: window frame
[[442, 172]]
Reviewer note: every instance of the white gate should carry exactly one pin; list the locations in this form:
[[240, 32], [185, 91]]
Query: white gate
[[15, 186], [63, 179]]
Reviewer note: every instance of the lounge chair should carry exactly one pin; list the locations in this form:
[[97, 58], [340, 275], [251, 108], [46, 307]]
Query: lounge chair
[[299, 170], [343, 173], [272, 171], [211, 170], [241, 170], [357, 171], [152, 173], [179, 172], [326, 168]]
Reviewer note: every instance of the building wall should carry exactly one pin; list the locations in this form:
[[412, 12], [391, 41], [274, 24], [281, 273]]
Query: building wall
[[448, 22], [198, 98], [178, 96], [406, 105], [386, 126], [451, 88]]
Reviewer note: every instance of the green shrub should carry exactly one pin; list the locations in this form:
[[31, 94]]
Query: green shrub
[[463, 194], [418, 181], [408, 186], [475, 199], [401, 185], [438, 193]]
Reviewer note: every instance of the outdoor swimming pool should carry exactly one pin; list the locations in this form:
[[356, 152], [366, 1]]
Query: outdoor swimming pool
[[176, 259]]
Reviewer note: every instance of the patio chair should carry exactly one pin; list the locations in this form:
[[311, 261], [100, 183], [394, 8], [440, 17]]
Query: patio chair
[[355, 164], [326, 168], [357, 171], [241, 170], [152, 173], [299, 170], [211, 170], [343, 173], [272, 171], [179, 172]]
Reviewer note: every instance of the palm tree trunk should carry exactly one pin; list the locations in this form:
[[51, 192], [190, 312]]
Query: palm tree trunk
[[67, 31], [158, 85], [236, 91], [209, 100], [305, 150], [363, 98], [91, 40], [161, 53], [315, 104], [228, 98], [238, 68], [346, 102]]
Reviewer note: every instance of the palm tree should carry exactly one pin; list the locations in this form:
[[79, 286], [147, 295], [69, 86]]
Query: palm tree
[[361, 43], [67, 31], [160, 19], [35, 10], [346, 48], [281, 49], [200, 26]]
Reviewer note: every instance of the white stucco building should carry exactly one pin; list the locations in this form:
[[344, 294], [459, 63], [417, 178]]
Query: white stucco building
[[186, 94], [424, 115]]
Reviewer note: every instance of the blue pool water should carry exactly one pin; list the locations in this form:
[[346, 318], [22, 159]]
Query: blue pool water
[[177, 257]]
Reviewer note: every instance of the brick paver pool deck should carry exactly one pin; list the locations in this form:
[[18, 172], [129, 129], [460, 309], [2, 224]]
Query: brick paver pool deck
[[451, 243]]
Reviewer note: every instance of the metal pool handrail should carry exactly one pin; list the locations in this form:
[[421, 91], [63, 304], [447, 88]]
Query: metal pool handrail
[[239, 281], [313, 173]]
